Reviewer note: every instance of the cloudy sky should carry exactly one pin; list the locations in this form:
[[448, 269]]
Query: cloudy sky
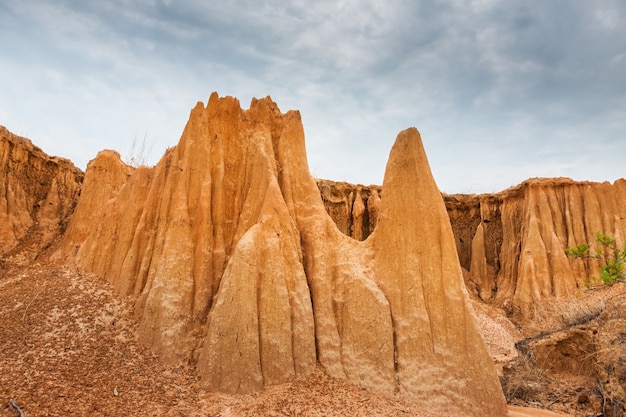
[[501, 90]]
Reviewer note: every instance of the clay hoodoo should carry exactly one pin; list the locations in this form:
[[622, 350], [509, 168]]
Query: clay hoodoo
[[38, 194], [418, 270], [237, 267]]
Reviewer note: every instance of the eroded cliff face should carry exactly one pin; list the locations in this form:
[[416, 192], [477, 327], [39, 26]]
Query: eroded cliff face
[[237, 267], [555, 214], [38, 194], [353, 208], [517, 252], [512, 244]]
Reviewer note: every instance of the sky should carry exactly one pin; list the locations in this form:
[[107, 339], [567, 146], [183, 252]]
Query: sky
[[501, 90]]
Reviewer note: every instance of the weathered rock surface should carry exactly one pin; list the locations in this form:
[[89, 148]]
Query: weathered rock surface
[[237, 267], [38, 194], [417, 269], [512, 244], [353, 208], [518, 250]]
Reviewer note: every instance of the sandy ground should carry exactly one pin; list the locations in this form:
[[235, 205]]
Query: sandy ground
[[515, 411], [68, 347]]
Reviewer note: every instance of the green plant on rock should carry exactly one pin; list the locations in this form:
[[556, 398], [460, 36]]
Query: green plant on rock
[[612, 258]]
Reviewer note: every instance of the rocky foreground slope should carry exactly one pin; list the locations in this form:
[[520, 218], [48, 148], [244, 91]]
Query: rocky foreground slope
[[244, 268]]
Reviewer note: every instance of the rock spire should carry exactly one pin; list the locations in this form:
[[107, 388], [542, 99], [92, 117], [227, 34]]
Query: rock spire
[[237, 268]]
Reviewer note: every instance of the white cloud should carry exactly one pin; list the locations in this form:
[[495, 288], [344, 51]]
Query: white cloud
[[488, 83]]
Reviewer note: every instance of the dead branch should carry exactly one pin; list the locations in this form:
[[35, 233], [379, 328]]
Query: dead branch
[[17, 407]]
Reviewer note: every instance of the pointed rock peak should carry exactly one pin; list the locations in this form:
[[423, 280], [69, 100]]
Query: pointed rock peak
[[199, 107], [408, 161], [227, 103], [109, 165], [106, 174], [408, 187], [264, 102], [418, 269], [214, 99], [262, 109], [106, 157]]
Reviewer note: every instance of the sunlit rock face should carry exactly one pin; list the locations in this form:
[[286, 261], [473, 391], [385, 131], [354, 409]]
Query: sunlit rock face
[[237, 267]]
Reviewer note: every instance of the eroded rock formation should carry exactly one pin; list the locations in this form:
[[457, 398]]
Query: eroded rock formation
[[517, 252], [237, 267], [353, 208], [512, 244], [37, 197]]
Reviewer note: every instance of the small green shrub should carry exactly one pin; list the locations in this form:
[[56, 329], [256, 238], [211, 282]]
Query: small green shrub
[[612, 257]]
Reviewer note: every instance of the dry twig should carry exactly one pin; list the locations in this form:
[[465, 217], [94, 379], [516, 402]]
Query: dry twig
[[17, 407], [31, 302]]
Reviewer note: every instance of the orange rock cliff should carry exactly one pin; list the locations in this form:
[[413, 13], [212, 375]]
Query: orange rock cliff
[[37, 198], [237, 267], [511, 244]]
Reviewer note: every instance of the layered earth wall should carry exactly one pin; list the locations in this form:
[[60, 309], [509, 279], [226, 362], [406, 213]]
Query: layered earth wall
[[38, 194], [511, 244]]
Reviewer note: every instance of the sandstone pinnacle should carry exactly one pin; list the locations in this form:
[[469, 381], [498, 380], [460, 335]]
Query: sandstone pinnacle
[[237, 268]]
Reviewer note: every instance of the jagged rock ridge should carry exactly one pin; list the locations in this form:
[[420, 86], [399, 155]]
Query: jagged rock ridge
[[38, 194], [237, 267]]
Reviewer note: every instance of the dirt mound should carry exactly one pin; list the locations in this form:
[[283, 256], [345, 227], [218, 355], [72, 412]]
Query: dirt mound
[[577, 366], [69, 347]]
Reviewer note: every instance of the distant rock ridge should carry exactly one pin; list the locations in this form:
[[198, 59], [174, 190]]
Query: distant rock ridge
[[38, 194], [512, 243], [237, 267]]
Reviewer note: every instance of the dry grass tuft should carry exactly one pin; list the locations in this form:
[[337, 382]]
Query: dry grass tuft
[[523, 381], [558, 314]]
